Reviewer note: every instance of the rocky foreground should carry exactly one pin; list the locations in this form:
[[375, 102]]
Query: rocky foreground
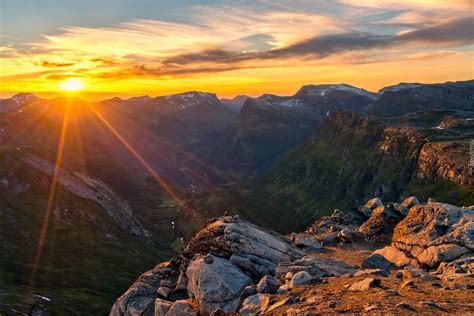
[[380, 258]]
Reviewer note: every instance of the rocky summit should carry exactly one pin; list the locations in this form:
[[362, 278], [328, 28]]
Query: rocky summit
[[397, 258]]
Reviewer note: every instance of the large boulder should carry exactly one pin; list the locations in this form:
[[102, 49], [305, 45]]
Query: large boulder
[[255, 250], [138, 300], [434, 232], [216, 283], [387, 258], [380, 225]]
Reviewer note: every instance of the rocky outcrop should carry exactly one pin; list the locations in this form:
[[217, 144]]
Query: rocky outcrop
[[430, 234], [233, 266], [435, 232]]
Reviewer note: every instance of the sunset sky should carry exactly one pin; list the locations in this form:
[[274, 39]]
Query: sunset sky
[[136, 47]]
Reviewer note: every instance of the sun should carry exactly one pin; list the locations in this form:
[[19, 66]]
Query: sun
[[72, 84]]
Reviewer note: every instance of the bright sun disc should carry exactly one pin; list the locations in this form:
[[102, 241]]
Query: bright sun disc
[[72, 84]]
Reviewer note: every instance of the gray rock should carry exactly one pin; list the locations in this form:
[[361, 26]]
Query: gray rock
[[378, 272], [365, 284], [300, 278], [410, 202], [162, 307], [182, 283], [316, 266], [465, 265], [410, 272], [430, 304], [373, 203], [267, 285], [387, 258], [306, 241], [138, 300], [216, 285], [255, 304], [404, 305], [163, 291], [408, 283], [380, 225], [435, 232], [349, 235], [180, 308]]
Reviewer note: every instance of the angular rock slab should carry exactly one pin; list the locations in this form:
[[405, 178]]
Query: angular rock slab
[[316, 266], [435, 232], [216, 285]]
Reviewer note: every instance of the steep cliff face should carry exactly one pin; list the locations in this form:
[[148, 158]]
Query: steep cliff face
[[354, 156], [445, 160], [270, 125]]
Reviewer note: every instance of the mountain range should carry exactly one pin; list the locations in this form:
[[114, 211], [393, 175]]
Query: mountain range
[[140, 176]]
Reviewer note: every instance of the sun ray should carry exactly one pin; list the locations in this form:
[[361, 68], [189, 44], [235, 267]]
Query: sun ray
[[52, 191], [137, 155]]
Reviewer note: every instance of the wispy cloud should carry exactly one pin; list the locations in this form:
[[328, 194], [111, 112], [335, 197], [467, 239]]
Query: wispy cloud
[[235, 36]]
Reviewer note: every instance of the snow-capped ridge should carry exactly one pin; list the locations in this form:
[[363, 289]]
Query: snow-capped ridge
[[399, 87], [324, 89]]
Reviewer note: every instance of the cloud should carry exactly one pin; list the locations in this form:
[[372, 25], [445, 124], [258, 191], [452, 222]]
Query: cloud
[[48, 64], [454, 31]]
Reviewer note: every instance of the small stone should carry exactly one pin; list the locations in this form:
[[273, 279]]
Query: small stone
[[399, 274], [408, 283], [288, 276], [391, 292], [470, 286], [371, 308], [163, 291], [379, 272], [430, 304], [404, 305], [373, 203], [365, 284], [332, 304], [437, 285], [411, 201], [267, 285], [236, 218], [300, 278]]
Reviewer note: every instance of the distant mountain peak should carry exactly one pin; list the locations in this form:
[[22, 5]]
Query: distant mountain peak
[[24, 97], [399, 87], [325, 89]]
